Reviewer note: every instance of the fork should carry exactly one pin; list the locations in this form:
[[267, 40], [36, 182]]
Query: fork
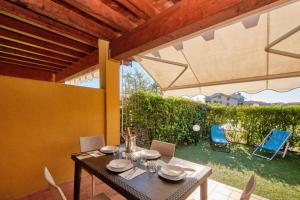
[[131, 173]]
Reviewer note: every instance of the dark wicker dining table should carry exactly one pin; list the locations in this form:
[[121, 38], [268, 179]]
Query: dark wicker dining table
[[147, 186]]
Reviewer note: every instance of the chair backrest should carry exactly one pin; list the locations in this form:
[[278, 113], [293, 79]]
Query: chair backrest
[[249, 189], [91, 143], [56, 192], [278, 138], [164, 148], [217, 132]]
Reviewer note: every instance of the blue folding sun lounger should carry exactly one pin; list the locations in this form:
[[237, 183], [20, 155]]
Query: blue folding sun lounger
[[217, 136], [273, 142]]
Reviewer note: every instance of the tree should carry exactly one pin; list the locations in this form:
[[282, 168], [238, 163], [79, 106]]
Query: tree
[[135, 80]]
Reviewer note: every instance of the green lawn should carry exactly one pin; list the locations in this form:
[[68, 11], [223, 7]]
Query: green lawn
[[276, 179]]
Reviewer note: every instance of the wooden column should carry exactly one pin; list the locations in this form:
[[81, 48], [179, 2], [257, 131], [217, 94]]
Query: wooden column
[[109, 82]]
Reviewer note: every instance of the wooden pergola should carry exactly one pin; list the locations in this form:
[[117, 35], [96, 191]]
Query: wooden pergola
[[52, 40]]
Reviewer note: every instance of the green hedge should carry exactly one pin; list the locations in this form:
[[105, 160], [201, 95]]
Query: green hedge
[[171, 119], [253, 123]]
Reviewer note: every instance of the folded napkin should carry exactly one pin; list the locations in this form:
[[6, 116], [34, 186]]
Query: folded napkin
[[96, 153], [132, 173], [171, 170], [84, 156], [90, 154], [187, 170]]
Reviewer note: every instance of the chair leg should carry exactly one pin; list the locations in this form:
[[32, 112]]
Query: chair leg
[[256, 149], [93, 186], [286, 148], [273, 156]]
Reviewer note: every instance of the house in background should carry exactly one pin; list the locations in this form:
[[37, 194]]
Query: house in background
[[229, 100], [257, 103]]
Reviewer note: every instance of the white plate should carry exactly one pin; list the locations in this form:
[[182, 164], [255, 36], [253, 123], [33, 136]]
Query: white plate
[[119, 163], [151, 154], [172, 178], [109, 149], [119, 170], [172, 170]]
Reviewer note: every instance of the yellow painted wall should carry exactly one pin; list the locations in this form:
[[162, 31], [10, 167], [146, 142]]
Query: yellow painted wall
[[40, 125]]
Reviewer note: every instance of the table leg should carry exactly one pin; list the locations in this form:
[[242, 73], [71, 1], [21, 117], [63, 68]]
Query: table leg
[[77, 179], [203, 190]]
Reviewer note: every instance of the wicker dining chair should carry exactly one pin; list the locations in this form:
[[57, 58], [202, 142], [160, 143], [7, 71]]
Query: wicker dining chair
[[249, 189], [91, 143], [58, 194], [164, 148]]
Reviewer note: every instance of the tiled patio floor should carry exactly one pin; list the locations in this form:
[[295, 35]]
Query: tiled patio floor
[[216, 191], [219, 191]]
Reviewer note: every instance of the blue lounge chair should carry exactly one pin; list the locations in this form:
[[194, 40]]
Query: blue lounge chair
[[273, 142], [217, 136]]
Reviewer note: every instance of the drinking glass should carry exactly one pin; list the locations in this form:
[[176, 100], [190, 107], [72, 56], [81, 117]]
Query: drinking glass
[[143, 158], [116, 154], [134, 157], [152, 165], [126, 156]]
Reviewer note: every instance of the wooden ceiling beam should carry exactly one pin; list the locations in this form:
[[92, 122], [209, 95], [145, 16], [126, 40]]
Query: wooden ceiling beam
[[31, 49], [8, 69], [104, 13], [31, 61], [28, 65], [35, 19], [133, 9], [69, 17], [145, 6], [41, 34], [32, 56], [85, 63], [17, 37], [175, 1], [184, 18]]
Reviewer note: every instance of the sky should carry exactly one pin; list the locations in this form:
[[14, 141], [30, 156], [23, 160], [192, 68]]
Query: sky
[[271, 96], [268, 96]]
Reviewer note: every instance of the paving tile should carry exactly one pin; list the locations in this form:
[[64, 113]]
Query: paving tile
[[223, 190], [234, 195], [216, 191], [218, 196]]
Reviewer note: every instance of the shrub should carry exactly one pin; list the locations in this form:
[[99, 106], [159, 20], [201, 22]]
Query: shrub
[[171, 119], [168, 119], [255, 122]]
